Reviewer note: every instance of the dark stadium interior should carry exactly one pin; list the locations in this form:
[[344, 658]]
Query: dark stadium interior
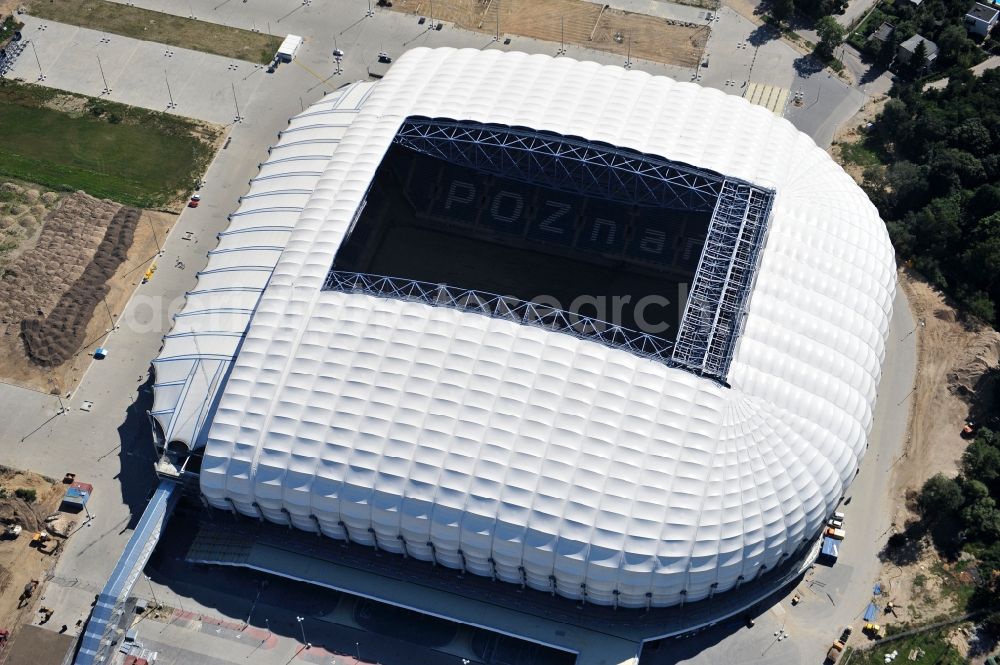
[[431, 221]]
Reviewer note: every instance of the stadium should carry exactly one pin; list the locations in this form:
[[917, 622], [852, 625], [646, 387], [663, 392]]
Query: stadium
[[565, 326]]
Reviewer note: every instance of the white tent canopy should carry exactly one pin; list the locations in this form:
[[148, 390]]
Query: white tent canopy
[[199, 349]]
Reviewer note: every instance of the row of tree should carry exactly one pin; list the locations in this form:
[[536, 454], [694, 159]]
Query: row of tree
[[783, 10], [970, 501], [940, 194]]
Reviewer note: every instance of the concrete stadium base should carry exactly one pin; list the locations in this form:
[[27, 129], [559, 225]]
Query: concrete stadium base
[[597, 634]]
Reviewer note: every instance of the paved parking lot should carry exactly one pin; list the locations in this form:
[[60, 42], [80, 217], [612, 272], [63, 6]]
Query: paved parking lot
[[200, 85]]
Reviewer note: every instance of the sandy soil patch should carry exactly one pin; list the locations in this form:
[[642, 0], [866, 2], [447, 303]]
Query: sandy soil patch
[[20, 562], [953, 354], [575, 22]]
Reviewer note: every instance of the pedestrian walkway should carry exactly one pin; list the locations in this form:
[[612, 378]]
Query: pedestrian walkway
[[773, 98], [97, 639]]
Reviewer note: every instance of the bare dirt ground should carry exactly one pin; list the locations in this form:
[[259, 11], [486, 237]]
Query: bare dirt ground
[[851, 132], [20, 562], [46, 284], [953, 356], [575, 22]]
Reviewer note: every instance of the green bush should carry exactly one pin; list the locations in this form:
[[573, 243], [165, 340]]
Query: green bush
[[24, 494]]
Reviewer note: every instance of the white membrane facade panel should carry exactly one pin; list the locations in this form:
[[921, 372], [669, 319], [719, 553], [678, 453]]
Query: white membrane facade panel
[[514, 450], [197, 352]]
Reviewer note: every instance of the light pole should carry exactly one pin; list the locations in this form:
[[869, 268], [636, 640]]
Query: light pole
[[107, 88], [159, 250], [171, 105], [110, 315], [90, 516], [303, 629], [41, 74], [149, 581], [236, 102], [260, 590], [179, 603], [357, 650]]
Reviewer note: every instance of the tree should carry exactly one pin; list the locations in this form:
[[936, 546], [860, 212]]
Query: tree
[[908, 183], [831, 35], [939, 498], [983, 519], [972, 136], [973, 490], [954, 46], [818, 8], [981, 462], [937, 226], [951, 168], [782, 9], [27, 495], [918, 61], [982, 206]]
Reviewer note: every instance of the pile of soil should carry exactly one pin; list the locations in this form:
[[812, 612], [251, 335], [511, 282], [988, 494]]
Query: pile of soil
[[18, 511], [14, 510], [34, 282], [974, 376], [53, 340]]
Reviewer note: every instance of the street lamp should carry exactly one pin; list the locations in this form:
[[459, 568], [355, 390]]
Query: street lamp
[[149, 581], [303, 629], [90, 516], [357, 650]]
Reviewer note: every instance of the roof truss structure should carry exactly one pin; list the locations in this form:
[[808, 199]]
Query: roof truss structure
[[717, 305]]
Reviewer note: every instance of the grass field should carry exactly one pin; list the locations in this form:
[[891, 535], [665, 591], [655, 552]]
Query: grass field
[[8, 27], [70, 142], [159, 27], [859, 153]]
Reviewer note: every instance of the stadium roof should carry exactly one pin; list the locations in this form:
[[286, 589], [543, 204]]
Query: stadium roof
[[510, 450]]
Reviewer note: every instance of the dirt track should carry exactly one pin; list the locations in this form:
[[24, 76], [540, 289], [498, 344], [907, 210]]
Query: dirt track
[[575, 22]]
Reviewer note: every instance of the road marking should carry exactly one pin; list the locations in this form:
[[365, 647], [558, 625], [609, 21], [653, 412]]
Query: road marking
[[773, 98], [324, 81]]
